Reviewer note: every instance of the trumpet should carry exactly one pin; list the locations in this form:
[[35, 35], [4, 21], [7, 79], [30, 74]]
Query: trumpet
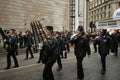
[[74, 36]]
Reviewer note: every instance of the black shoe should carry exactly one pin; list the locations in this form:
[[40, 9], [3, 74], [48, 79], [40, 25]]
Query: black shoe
[[82, 78], [103, 72], [115, 54], [17, 54], [31, 57], [7, 68], [26, 59], [60, 68], [65, 57], [15, 66], [38, 62]]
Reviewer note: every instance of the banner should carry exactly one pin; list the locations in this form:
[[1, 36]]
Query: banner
[[113, 24]]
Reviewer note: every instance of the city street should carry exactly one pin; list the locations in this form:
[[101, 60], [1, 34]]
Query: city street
[[30, 70], [54, 25]]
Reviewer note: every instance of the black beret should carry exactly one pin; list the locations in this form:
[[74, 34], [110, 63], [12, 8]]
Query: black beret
[[28, 31], [58, 32], [62, 32], [80, 28], [49, 27], [104, 30], [12, 29]]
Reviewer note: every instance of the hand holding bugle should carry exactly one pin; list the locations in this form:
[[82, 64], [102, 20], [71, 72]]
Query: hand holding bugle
[[74, 36]]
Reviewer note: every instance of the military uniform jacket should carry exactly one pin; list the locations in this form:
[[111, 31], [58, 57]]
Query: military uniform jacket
[[11, 42], [49, 52], [60, 46], [28, 41], [81, 46], [105, 44], [64, 43]]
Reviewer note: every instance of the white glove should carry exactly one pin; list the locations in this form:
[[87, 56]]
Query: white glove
[[40, 45], [4, 40], [73, 36], [64, 52], [89, 56], [112, 54]]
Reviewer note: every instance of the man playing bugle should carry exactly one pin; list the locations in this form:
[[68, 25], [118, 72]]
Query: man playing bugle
[[81, 49]]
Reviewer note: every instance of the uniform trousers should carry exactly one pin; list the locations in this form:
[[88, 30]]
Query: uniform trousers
[[29, 50], [103, 61], [59, 61], [11, 53], [80, 73], [47, 72]]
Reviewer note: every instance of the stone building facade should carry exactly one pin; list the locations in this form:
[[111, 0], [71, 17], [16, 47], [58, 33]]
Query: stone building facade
[[100, 10], [15, 13]]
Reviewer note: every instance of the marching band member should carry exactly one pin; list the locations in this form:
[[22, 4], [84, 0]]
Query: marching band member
[[50, 55], [81, 49]]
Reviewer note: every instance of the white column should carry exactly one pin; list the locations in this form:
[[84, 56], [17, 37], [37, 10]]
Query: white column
[[84, 14], [76, 15]]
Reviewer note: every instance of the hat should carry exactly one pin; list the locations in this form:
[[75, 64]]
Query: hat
[[80, 28], [62, 32], [104, 31], [28, 31], [49, 27], [13, 30], [58, 32]]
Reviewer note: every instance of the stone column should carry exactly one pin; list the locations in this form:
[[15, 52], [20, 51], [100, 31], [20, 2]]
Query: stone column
[[76, 15]]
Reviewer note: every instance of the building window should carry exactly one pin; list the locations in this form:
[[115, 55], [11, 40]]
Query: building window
[[109, 14], [93, 4], [105, 15], [101, 16], [105, 8], [101, 9], [109, 6], [119, 4], [98, 1], [102, 1]]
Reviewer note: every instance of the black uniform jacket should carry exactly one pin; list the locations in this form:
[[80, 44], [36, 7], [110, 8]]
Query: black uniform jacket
[[105, 44], [49, 52], [81, 46], [11, 42]]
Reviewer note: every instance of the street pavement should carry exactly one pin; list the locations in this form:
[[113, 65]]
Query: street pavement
[[30, 70]]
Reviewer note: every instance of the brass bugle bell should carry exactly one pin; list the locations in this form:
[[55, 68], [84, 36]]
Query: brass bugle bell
[[73, 36]]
